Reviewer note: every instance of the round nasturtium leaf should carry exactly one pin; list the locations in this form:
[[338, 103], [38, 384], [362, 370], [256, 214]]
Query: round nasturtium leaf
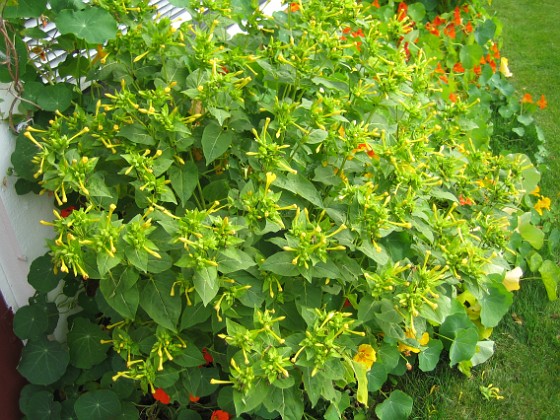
[[41, 275], [30, 322], [93, 25], [98, 405], [84, 343], [398, 406], [42, 406], [43, 362]]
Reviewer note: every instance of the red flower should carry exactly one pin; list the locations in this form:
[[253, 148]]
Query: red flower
[[375, 3], [468, 28], [432, 29], [458, 68], [347, 30], [439, 21], [67, 211], [161, 396], [465, 201], [542, 102], [527, 99], [220, 415], [367, 148], [439, 69], [294, 7], [193, 398], [207, 356], [495, 51], [450, 31], [457, 16], [358, 33], [453, 97], [402, 11]]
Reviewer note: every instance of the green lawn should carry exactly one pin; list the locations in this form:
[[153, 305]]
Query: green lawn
[[526, 365]]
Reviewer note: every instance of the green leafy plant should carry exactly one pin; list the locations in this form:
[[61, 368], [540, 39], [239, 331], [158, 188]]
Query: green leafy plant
[[271, 223]]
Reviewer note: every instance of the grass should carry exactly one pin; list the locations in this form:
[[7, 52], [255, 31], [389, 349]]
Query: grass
[[526, 363]]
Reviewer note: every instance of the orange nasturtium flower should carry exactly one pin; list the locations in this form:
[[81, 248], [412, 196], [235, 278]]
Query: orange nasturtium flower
[[542, 103], [220, 415], [458, 68], [402, 10], [375, 3], [193, 398], [527, 99], [449, 30], [161, 396], [543, 203], [366, 355], [294, 7]]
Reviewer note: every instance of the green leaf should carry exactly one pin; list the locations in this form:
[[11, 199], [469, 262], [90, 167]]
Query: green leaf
[[463, 346], [138, 257], [416, 11], [84, 343], [57, 97], [248, 402], [215, 141], [494, 304], [470, 55], [485, 32], [136, 133], [429, 358], [41, 405], [121, 293], [484, 350], [299, 185], [194, 315], [189, 357], [58, 5], [397, 407], [30, 322], [25, 9], [288, 402], [97, 405], [440, 313], [184, 180], [21, 158], [529, 232], [156, 300], [94, 25], [234, 259], [550, 274], [43, 362], [206, 283], [281, 263]]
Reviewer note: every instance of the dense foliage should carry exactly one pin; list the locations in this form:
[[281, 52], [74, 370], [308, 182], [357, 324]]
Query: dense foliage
[[269, 222]]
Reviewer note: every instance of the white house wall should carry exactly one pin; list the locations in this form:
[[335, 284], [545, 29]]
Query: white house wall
[[22, 237]]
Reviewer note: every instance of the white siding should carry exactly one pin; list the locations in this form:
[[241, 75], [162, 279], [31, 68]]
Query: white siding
[[22, 237]]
